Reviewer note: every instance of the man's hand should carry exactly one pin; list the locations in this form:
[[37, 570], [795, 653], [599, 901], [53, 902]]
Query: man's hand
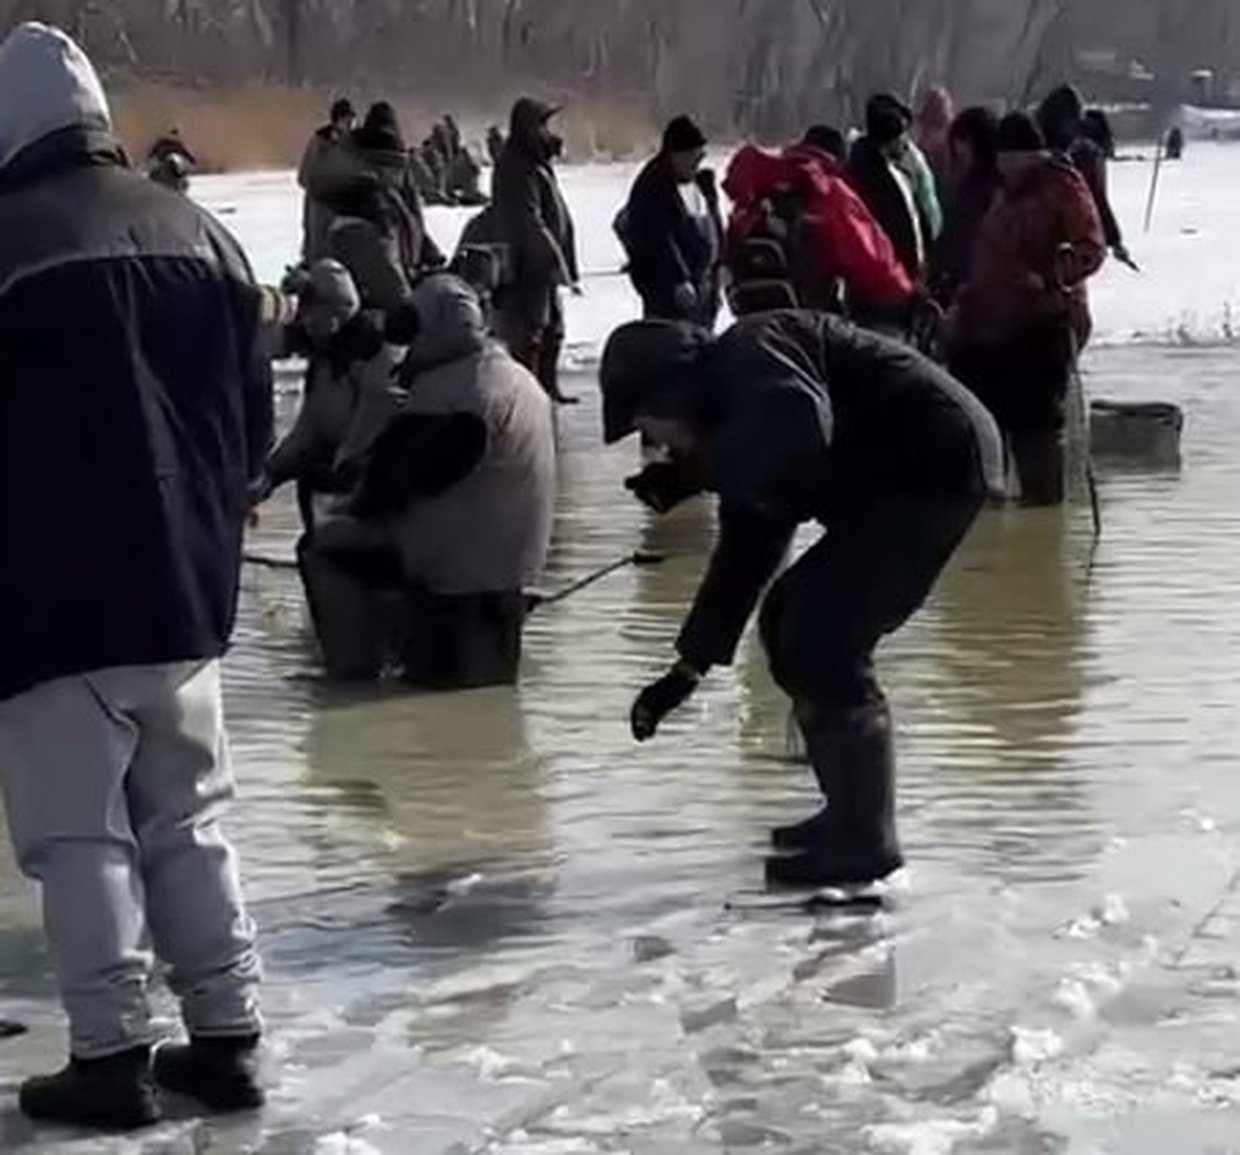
[[663, 485], [660, 698], [1121, 254], [577, 289], [259, 490]]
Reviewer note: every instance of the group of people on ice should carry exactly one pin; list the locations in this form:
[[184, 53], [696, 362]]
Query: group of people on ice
[[424, 458]]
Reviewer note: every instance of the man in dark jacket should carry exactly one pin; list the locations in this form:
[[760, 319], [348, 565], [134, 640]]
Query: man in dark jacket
[[795, 417], [315, 217], [673, 232], [534, 215], [118, 593], [877, 170]]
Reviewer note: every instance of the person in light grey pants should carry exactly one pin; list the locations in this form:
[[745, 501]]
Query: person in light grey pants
[[114, 783]]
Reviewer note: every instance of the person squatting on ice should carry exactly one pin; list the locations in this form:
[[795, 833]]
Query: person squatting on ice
[[672, 231], [1022, 317], [534, 221], [794, 417], [446, 474], [113, 754]]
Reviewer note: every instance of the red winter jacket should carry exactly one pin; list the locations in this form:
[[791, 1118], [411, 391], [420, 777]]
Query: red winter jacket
[[841, 238]]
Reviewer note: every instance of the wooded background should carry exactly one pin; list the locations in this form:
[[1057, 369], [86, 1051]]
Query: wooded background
[[742, 65]]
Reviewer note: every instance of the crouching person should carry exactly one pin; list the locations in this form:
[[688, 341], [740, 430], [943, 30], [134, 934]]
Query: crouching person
[[118, 592], [793, 417]]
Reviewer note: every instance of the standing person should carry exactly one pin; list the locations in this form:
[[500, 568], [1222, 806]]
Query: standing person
[[169, 162], [120, 591], [315, 217], [1023, 313], [895, 182], [539, 227], [931, 129], [794, 417], [673, 231], [974, 184], [1061, 117]]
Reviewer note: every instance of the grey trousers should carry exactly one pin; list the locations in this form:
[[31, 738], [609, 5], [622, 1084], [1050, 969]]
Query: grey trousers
[[114, 783]]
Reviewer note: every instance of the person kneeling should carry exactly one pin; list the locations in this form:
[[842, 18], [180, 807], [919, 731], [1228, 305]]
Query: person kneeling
[[793, 417]]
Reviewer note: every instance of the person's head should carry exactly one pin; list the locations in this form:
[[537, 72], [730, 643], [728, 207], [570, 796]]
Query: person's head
[[1097, 126], [1020, 146], [381, 129], [47, 84], [935, 111], [684, 145], [343, 116], [327, 301], [1061, 116], [650, 380], [887, 123], [973, 141], [826, 139], [530, 128]]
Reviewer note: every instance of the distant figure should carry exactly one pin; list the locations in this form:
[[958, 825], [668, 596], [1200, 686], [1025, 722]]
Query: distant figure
[[376, 226], [895, 182], [672, 230], [170, 163], [1061, 118], [800, 237], [495, 143], [315, 216], [935, 112], [426, 562], [539, 228], [974, 184], [1175, 144], [119, 593], [1022, 315]]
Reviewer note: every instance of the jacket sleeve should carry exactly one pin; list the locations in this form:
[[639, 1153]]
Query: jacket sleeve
[[926, 192], [310, 161], [656, 263], [1082, 228], [516, 194], [299, 448], [860, 251], [1092, 165], [748, 552]]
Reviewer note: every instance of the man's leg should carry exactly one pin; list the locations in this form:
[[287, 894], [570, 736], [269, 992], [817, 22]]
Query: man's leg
[[550, 345], [179, 785], [65, 755]]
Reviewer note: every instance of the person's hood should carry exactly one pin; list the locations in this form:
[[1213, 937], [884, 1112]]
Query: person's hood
[[648, 360], [755, 174], [47, 85], [527, 125], [823, 161], [935, 111], [1062, 109], [450, 323]]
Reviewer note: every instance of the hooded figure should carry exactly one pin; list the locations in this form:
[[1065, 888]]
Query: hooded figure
[[793, 418], [931, 125], [117, 599], [672, 230], [1022, 315], [539, 228]]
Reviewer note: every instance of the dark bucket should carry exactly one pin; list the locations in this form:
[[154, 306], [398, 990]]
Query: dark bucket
[[1147, 433]]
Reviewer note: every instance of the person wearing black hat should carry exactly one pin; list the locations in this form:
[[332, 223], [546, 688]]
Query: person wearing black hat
[[672, 230], [793, 417], [538, 227], [1023, 312], [315, 219], [895, 182]]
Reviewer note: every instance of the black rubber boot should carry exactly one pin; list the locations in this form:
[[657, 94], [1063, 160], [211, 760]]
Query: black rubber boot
[[800, 835], [220, 1073], [855, 843], [111, 1094]]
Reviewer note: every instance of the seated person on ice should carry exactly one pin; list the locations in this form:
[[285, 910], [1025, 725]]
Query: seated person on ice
[[793, 417], [447, 468]]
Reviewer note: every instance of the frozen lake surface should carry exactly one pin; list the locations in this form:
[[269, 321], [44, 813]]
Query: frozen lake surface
[[494, 925]]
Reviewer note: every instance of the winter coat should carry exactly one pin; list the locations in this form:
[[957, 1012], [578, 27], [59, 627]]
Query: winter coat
[[837, 238], [478, 514], [913, 163], [895, 208], [931, 131], [668, 248], [128, 444], [966, 210], [1016, 265], [535, 216], [316, 216], [806, 418]]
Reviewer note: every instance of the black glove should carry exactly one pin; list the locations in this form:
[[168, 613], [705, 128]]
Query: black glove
[[663, 485], [660, 698]]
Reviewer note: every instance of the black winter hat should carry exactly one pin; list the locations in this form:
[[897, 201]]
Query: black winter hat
[[381, 129], [1019, 132], [342, 108], [826, 139], [645, 360], [887, 118], [683, 135]]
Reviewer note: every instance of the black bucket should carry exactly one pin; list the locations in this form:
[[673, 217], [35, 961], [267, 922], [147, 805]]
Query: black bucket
[[1145, 433]]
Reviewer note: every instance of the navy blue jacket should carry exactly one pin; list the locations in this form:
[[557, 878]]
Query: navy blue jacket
[[135, 406]]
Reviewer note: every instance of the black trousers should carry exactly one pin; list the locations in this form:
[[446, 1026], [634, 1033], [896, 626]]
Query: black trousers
[[529, 319], [871, 571], [1024, 382]]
